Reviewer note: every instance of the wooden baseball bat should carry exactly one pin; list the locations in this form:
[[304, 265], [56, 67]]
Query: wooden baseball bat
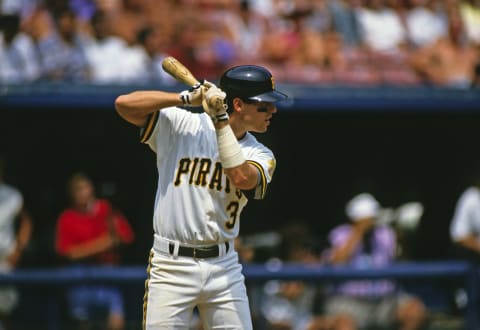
[[177, 70], [180, 72]]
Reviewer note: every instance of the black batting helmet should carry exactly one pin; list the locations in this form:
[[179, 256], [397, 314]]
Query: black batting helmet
[[250, 82]]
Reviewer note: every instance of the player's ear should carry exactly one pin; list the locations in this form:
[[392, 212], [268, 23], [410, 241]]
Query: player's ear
[[237, 104]]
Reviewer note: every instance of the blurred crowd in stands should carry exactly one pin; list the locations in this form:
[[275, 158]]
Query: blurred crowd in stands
[[334, 42], [370, 236]]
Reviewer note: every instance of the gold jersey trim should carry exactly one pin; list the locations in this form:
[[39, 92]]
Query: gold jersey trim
[[145, 296], [263, 178], [149, 127]]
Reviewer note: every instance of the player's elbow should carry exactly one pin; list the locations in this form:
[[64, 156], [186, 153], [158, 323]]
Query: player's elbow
[[123, 107], [240, 179], [121, 104], [243, 177], [241, 183]]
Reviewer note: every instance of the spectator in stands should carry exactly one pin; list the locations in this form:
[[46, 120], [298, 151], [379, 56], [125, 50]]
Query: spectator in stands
[[14, 238], [62, 49], [308, 56], [425, 23], [465, 235], [470, 13], [18, 58], [247, 28], [319, 18], [128, 17], [465, 225], [345, 21], [246, 252], [203, 47], [451, 61], [111, 59], [294, 304], [22, 8], [368, 303], [381, 27], [296, 46], [155, 42], [91, 232]]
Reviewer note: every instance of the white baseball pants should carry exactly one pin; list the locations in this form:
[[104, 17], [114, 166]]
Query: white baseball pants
[[177, 284]]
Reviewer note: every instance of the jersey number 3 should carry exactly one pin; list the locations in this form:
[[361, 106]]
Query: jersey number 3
[[233, 209]]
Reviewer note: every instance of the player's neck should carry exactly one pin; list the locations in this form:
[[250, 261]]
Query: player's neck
[[237, 127]]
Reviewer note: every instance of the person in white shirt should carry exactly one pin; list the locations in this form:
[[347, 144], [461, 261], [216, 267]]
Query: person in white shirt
[[425, 23], [380, 27], [19, 60], [465, 225], [12, 241], [111, 59]]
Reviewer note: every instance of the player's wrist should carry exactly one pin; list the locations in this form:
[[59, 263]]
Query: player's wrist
[[229, 150], [219, 119], [193, 96], [220, 124], [183, 99]]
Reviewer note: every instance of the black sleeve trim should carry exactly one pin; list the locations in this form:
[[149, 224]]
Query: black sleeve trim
[[147, 131]]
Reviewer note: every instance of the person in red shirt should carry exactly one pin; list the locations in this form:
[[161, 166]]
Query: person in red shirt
[[90, 232]]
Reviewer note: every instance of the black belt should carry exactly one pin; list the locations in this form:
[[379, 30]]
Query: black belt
[[198, 252]]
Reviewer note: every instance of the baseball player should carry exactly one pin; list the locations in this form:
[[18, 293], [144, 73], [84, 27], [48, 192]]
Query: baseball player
[[208, 166]]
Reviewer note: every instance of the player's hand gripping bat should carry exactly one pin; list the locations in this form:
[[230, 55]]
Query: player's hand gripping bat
[[212, 101]]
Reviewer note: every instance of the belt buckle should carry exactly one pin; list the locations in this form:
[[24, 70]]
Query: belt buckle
[[194, 253]]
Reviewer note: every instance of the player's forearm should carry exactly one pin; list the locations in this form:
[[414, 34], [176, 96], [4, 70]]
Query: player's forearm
[[243, 175], [136, 106]]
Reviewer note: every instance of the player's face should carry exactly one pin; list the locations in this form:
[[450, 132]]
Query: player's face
[[257, 115]]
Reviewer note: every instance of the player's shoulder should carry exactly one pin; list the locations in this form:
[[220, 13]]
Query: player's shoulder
[[170, 112], [250, 141], [181, 116]]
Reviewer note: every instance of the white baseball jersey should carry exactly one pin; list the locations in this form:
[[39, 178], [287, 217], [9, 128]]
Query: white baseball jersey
[[195, 202], [466, 220]]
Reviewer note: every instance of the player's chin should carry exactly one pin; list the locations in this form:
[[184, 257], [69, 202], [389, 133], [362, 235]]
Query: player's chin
[[266, 124], [263, 128], [260, 126]]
